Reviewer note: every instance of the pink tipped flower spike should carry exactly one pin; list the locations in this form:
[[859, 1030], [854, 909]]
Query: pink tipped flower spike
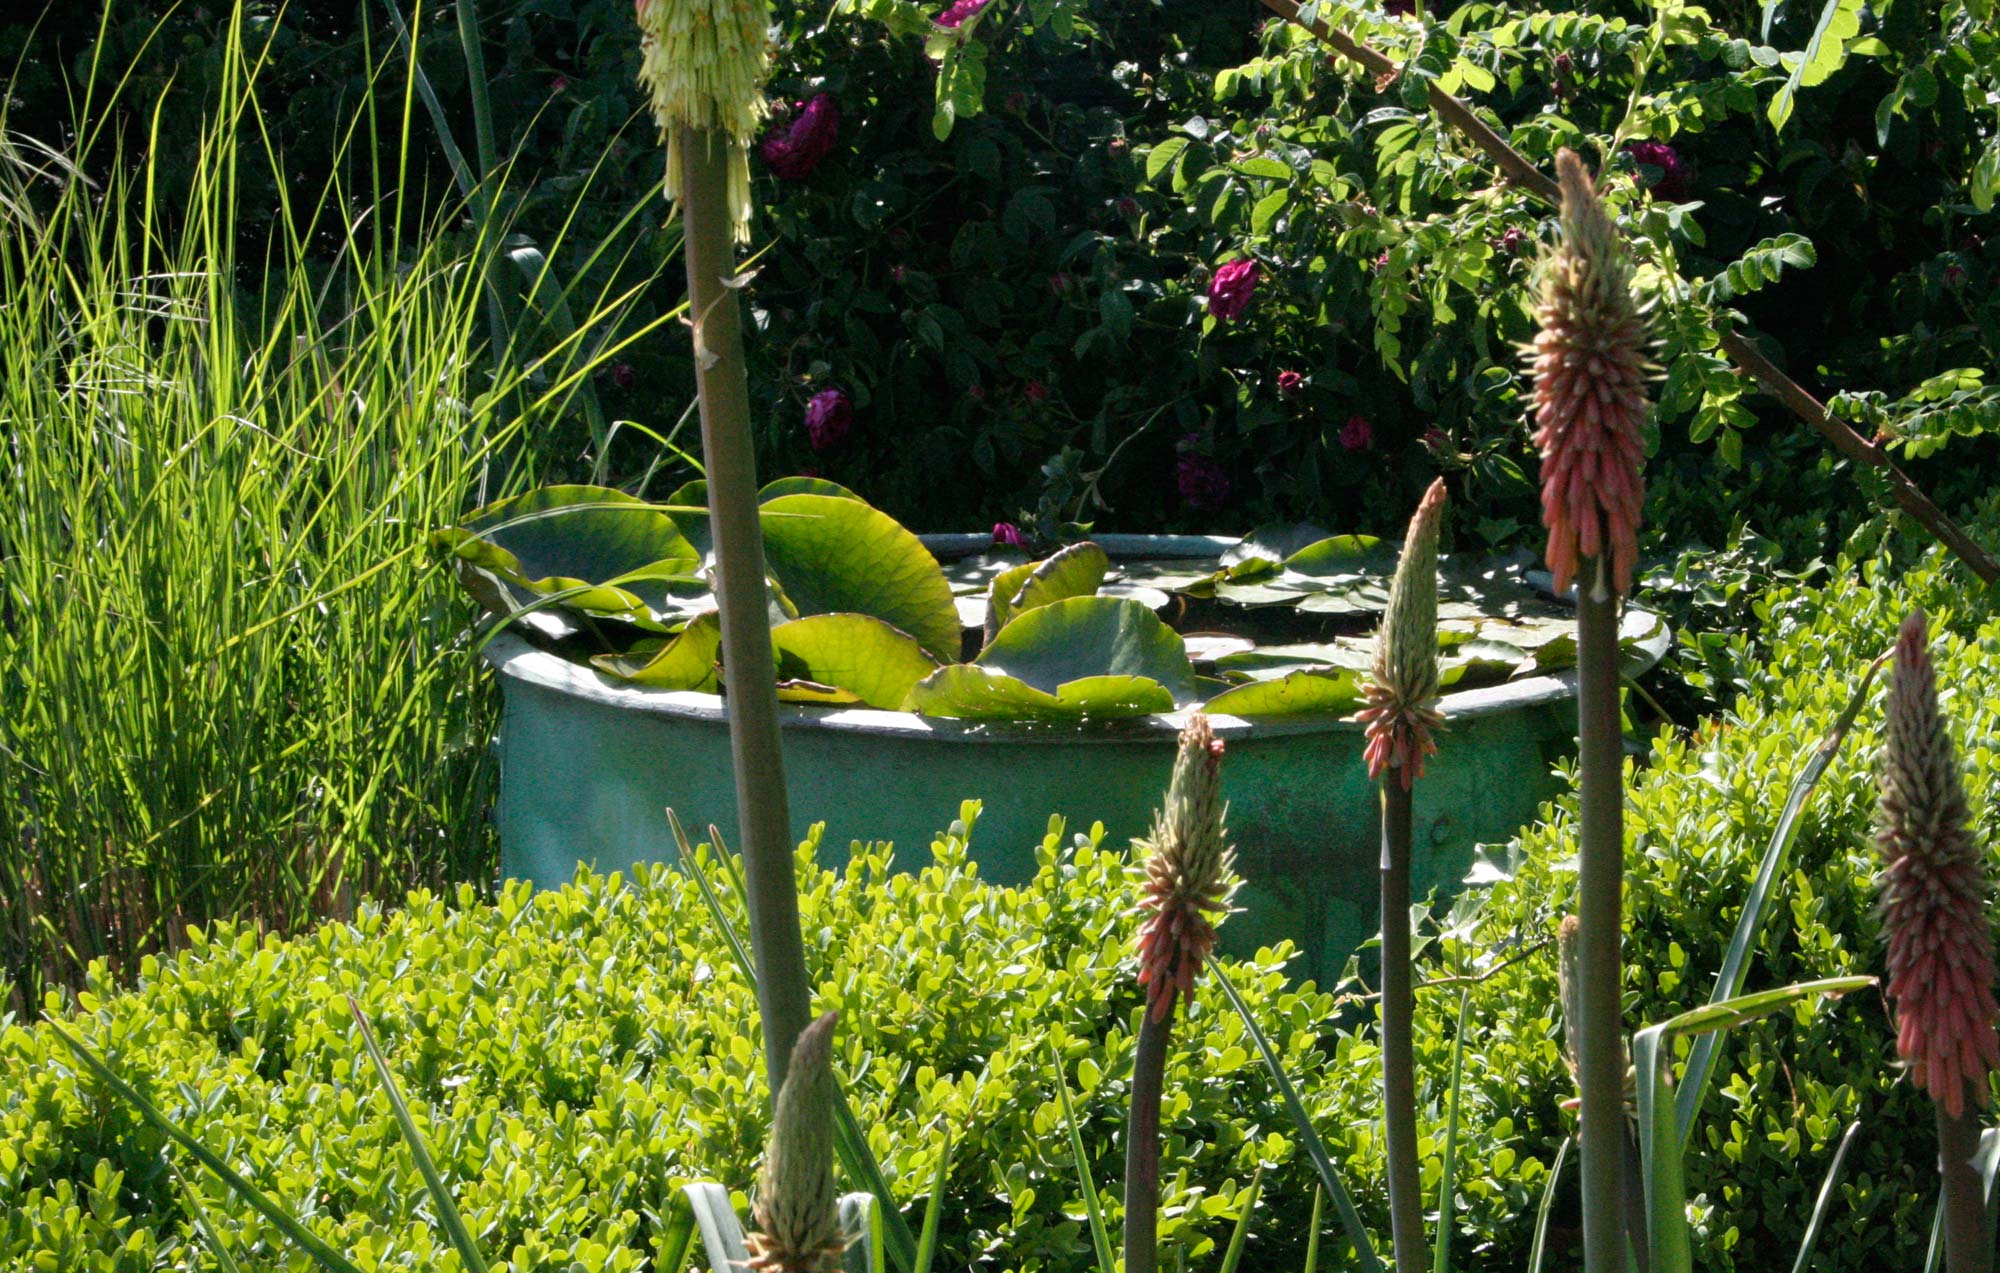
[[1590, 369], [1934, 894], [1402, 687]]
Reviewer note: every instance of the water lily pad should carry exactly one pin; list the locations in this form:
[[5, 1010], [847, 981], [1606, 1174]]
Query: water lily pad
[[691, 499], [1274, 543], [1207, 647], [1343, 556], [610, 553], [1051, 645], [841, 556], [1075, 571], [1329, 691], [1173, 574], [970, 692], [1368, 595], [855, 653], [973, 575], [684, 662]]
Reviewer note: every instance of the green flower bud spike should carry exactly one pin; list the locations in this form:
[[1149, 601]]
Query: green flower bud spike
[[797, 1213], [1402, 688], [703, 64]]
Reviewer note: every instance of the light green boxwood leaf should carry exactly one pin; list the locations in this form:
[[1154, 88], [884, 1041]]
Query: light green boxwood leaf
[[856, 653], [1078, 637], [839, 556], [1306, 692], [686, 662]]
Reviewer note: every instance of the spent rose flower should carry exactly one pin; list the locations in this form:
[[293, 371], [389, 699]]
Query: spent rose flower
[[624, 375], [1289, 383], [1007, 535], [829, 415], [1357, 433], [1058, 283], [1230, 290], [559, 84], [1673, 181], [1199, 479], [1935, 894], [1128, 207], [1036, 392], [961, 10], [794, 148]]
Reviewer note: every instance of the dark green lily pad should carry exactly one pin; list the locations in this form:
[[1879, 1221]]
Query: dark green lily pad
[[1309, 692], [1274, 543], [684, 662], [1342, 557], [1075, 571], [970, 692], [692, 500], [840, 556], [1063, 641], [856, 653], [611, 554]]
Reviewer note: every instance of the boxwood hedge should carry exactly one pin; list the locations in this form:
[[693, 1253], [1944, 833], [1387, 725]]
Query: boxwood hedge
[[576, 1053]]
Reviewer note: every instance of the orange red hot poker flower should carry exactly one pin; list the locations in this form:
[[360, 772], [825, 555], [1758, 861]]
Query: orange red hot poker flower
[[1934, 894], [1590, 370]]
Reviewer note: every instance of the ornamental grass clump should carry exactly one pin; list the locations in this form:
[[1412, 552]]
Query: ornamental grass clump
[[1936, 926], [1401, 715], [1189, 880], [1590, 366], [797, 1210]]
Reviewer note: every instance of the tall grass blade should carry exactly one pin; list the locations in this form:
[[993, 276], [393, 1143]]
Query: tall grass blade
[[326, 1257], [1735, 961], [447, 1209], [1357, 1233], [677, 1238], [1448, 1179], [1100, 1237], [850, 1144], [224, 1262], [1237, 1235], [1834, 1173], [1541, 1243], [927, 1237], [1312, 1236]]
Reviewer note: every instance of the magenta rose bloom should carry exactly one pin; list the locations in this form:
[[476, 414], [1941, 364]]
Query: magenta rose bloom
[[794, 148], [828, 417], [1357, 433], [1007, 535], [1230, 290], [1036, 392], [1673, 180], [1289, 383], [954, 17]]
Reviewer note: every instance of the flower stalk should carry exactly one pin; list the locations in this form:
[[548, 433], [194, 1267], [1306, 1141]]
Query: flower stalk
[[704, 63], [1187, 891], [1590, 367], [1940, 945], [1401, 694]]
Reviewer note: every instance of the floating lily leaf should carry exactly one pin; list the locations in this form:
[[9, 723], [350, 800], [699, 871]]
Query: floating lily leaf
[[612, 553], [1343, 556], [1174, 574], [1207, 647], [1272, 592], [971, 692], [1478, 663], [840, 556], [692, 499], [1368, 595], [1335, 691], [1075, 571], [1355, 653], [1151, 598], [1273, 543], [973, 576], [858, 654], [797, 690], [686, 662], [1063, 641]]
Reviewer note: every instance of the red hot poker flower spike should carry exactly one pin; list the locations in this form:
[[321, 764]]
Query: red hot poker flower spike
[[1188, 879], [1402, 686]]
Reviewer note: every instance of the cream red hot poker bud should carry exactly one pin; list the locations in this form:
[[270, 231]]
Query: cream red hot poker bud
[[1590, 367], [1402, 689], [1934, 894], [1188, 872], [797, 1213], [703, 65]]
